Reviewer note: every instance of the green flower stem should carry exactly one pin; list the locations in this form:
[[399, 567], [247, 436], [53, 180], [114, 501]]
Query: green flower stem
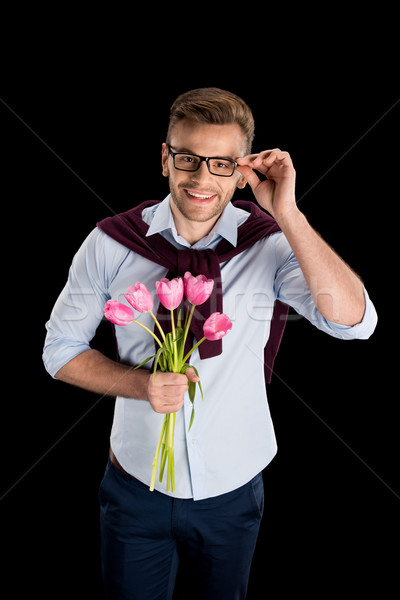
[[155, 461], [170, 453], [158, 325], [151, 333], [171, 467], [167, 452], [189, 320], [173, 457], [164, 450], [175, 357], [194, 348], [164, 455]]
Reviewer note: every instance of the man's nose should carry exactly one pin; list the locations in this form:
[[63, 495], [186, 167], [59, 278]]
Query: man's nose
[[202, 173]]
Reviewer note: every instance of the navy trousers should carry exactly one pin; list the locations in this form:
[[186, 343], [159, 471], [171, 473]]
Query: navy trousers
[[155, 547]]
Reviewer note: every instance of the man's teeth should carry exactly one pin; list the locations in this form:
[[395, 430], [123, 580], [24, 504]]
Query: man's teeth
[[200, 196]]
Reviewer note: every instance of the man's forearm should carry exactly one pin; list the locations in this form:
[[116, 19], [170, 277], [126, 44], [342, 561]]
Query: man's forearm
[[337, 291], [93, 371]]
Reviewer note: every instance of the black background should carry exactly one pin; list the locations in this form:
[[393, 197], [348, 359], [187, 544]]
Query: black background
[[84, 109]]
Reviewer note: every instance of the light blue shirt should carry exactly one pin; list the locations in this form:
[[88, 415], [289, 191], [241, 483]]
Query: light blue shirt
[[232, 437]]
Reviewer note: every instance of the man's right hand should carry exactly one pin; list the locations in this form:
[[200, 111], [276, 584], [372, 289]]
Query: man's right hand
[[166, 391], [93, 371]]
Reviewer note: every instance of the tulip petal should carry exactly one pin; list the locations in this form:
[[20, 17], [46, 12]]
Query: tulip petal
[[217, 326], [197, 289], [118, 313], [139, 297], [170, 292]]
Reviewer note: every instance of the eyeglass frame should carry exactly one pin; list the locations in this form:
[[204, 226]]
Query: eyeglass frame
[[202, 159]]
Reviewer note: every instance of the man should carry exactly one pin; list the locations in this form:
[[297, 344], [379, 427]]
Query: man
[[208, 527]]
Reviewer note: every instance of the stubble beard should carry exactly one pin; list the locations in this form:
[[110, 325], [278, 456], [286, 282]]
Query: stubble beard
[[198, 216]]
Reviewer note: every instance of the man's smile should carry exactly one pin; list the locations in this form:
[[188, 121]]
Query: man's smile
[[199, 196]]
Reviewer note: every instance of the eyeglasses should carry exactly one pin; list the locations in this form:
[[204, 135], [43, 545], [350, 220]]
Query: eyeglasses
[[223, 167]]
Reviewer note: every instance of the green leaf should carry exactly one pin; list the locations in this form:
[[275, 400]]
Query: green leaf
[[180, 343], [192, 391], [163, 362], [144, 362], [169, 339], [191, 418], [168, 343], [158, 355], [178, 334], [185, 367], [187, 314], [197, 373]]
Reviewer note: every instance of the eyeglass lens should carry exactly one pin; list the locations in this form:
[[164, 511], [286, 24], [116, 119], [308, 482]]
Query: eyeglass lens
[[217, 166]]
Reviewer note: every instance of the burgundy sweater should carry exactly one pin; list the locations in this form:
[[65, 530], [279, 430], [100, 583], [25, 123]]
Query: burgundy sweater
[[129, 229]]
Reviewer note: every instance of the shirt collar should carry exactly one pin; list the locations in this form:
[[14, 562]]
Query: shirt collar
[[162, 219]]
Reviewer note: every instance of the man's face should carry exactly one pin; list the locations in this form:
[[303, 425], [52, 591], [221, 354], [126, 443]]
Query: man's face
[[199, 195]]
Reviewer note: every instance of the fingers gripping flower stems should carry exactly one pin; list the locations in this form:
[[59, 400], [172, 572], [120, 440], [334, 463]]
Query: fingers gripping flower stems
[[170, 354]]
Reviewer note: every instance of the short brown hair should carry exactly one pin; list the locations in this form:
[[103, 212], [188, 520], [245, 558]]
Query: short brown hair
[[214, 106]]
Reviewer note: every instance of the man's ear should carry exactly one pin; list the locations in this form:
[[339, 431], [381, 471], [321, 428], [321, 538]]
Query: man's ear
[[242, 182], [164, 160]]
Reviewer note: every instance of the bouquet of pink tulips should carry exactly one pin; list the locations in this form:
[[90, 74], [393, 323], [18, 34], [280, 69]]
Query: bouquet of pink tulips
[[170, 355]]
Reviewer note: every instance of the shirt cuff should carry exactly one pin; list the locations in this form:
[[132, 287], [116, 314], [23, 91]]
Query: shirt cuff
[[360, 331], [54, 358]]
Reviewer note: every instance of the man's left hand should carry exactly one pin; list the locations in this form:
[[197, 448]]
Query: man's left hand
[[276, 194]]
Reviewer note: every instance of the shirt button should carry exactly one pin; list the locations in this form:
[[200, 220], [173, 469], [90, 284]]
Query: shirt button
[[194, 441]]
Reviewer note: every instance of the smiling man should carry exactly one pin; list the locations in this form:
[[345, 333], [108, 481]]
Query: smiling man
[[203, 535], [199, 197]]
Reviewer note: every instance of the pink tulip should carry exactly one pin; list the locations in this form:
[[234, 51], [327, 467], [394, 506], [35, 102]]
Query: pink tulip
[[197, 289], [170, 293], [118, 313], [139, 297], [216, 326]]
